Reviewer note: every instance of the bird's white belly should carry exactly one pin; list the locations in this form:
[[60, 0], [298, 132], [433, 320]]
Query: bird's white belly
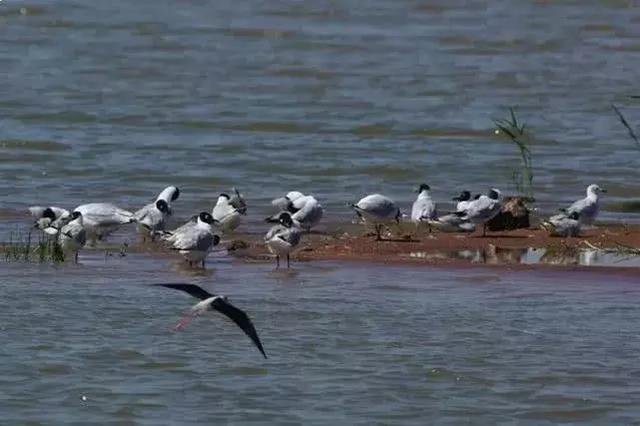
[[278, 246], [373, 218], [230, 222]]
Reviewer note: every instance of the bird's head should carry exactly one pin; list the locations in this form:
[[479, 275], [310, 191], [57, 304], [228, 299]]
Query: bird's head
[[285, 219], [163, 206], [464, 196], [594, 189], [423, 187], [49, 214], [206, 218]]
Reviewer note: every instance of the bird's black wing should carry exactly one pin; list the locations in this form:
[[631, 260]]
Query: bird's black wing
[[192, 289], [241, 319]]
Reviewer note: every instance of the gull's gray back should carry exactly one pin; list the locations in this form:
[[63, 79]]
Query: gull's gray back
[[378, 205]]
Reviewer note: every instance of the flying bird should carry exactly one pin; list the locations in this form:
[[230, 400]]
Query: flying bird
[[212, 302]]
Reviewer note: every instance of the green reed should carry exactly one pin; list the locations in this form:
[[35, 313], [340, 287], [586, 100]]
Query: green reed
[[626, 124], [23, 247], [518, 135]]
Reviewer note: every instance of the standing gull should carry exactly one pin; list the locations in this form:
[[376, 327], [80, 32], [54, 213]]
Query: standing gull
[[211, 302], [483, 209], [283, 238], [424, 208], [377, 210], [195, 241], [151, 219], [588, 207], [73, 235]]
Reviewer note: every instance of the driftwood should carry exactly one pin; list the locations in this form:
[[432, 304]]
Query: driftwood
[[514, 215]]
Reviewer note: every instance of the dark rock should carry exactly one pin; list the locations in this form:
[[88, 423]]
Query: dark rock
[[514, 215]]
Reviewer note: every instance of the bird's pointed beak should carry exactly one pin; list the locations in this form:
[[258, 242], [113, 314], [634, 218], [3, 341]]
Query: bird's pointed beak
[[456, 199], [603, 190]]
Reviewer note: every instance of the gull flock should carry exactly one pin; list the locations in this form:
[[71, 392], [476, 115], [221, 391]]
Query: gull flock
[[297, 213]]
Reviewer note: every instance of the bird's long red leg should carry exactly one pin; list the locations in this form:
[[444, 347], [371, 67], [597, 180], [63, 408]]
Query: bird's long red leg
[[186, 319]]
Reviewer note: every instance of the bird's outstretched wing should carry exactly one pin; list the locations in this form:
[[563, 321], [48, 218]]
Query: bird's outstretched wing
[[241, 319], [192, 289]]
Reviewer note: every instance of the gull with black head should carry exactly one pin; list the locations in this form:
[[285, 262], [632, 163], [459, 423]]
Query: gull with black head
[[49, 219], [151, 219], [483, 209], [306, 212], [462, 200], [424, 208], [283, 237], [73, 236], [195, 241]]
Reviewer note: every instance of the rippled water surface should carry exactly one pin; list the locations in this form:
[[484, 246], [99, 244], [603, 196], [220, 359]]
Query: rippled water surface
[[117, 99], [350, 344], [114, 100]]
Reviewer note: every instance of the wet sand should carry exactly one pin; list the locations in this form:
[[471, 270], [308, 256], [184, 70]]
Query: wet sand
[[447, 249]]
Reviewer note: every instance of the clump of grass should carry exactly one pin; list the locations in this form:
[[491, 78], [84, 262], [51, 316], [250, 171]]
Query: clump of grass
[[24, 248], [516, 131]]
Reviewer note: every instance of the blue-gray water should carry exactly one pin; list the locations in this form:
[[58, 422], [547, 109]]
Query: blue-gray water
[[113, 100], [116, 99], [354, 344]]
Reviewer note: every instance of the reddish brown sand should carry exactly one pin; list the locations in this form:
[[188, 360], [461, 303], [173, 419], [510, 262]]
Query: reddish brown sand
[[497, 248]]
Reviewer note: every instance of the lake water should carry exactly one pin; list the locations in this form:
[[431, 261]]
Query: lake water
[[112, 101], [352, 344], [118, 99]]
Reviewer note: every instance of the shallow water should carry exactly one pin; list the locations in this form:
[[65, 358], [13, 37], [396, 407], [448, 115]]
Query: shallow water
[[347, 343], [114, 100]]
